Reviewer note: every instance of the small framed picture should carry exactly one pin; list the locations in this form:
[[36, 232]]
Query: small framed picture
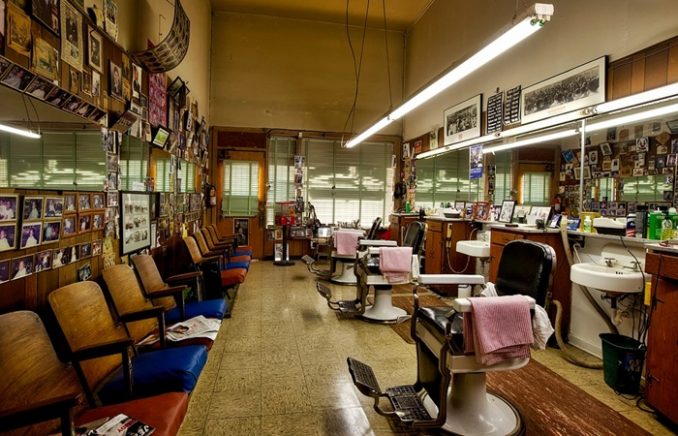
[[94, 48], [59, 259], [97, 221], [506, 214], [96, 247], [51, 232], [70, 204], [98, 200], [71, 254], [85, 250], [84, 202], [85, 223], [7, 236], [460, 206], [115, 78], [555, 221], [85, 272], [8, 204], [30, 235], [32, 208], [22, 267], [43, 261], [69, 227], [5, 270], [54, 207], [643, 143]]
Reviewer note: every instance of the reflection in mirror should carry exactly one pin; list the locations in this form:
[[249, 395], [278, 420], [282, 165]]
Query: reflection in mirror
[[134, 155], [160, 170]]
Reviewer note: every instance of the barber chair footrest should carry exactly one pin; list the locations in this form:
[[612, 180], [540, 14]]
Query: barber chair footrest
[[324, 291], [407, 404], [350, 307], [363, 378]]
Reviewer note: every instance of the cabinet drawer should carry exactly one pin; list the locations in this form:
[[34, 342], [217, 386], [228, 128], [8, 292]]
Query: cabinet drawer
[[652, 262], [434, 226], [668, 267], [503, 238]]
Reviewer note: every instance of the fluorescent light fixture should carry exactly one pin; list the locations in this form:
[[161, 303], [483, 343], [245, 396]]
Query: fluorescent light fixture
[[535, 140], [20, 132], [640, 98], [534, 19], [632, 118]]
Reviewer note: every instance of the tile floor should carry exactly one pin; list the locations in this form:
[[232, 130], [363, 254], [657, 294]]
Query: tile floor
[[278, 366]]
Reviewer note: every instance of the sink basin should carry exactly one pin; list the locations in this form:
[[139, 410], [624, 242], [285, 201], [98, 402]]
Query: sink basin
[[474, 248], [607, 279]]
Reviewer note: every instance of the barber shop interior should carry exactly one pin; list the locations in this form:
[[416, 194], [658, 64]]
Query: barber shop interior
[[338, 217]]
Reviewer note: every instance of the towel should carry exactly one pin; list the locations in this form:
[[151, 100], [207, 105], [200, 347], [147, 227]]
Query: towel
[[498, 329], [346, 242], [395, 263], [541, 328], [489, 290]]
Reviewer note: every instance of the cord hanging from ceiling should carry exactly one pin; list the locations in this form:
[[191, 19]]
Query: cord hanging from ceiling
[[357, 65], [388, 58]]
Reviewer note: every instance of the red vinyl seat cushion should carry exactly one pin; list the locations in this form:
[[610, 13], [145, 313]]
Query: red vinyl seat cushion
[[232, 277]]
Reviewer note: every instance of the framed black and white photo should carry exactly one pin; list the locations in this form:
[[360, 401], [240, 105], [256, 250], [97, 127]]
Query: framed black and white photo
[[94, 50], [136, 222], [241, 230], [7, 236], [577, 88], [47, 12], [85, 272], [462, 122], [506, 213], [115, 79], [71, 35], [69, 227], [605, 149]]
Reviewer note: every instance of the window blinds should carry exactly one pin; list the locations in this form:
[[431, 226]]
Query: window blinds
[[503, 178], [280, 177], [445, 178], [133, 162], [240, 188], [536, 188]]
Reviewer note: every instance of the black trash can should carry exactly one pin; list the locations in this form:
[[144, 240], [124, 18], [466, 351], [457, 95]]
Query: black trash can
[[623, 359]]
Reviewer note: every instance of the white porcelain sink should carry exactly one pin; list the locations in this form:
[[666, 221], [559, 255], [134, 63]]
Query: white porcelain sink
[[474, 248], [607, 279]]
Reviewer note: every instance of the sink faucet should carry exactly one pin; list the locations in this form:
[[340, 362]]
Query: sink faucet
[[610, 261], [635, 266]]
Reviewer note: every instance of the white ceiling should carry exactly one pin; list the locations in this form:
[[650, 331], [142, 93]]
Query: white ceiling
[[400, 14]]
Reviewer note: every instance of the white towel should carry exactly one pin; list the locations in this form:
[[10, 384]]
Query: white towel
[[541, 328], [489, 290]]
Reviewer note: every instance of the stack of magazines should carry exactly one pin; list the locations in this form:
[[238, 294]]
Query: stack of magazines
[[119, 425], [197, 327]]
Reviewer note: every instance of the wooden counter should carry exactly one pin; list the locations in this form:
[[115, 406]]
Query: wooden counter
[[398, 223], [439, 258]]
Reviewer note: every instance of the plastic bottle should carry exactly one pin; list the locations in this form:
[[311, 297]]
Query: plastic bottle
[[631, 225], [667, 228], [587, 224], [654, 224], [673, 216]]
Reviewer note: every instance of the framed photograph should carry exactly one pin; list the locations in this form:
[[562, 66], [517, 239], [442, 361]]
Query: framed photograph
[[98, 200], [70, 203], [30, 235], [115, 79], [96, 84], [85, 272], [18, 78], [481, 211], [4, 63], [69, 227], [8, 207], [85, 250], [61, 257], [593, 157], [22, 267], [47, 12], [96, 247], [137, 74], [95, 50], [157, 99], [84, 202], [111, 18], [39, 88], [520, 213], [7, 236], [577, 88], [135, 222], [32, 208], [605, 149], [5, 273], [18, 30], [555, 221], [57, 97], [506, 213], [539, 213], [462, 121], [71, 35], [460, 206], [98, 221], [45, 58], [43, 261], [84, 223], [74, 81], [51, 232]]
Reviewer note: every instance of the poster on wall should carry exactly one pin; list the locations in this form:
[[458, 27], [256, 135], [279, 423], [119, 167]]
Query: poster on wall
[[462, 122], [577, 88], [136, 222], [71, 35], [241, 230], [476, 161], [157, 99]]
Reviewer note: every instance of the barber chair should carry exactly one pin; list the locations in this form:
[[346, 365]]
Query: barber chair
[[450, 392]]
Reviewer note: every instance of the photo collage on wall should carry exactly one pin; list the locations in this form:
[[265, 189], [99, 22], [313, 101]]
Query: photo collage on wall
[[46, 223]]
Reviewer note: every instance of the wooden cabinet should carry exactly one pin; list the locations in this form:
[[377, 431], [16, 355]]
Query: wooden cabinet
[[562, 287], [398, 223], [443, 260], [662, 340]]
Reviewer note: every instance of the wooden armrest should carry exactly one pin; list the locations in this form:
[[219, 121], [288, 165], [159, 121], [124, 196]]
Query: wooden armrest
[[103, 349], [451, 279], [464, 304], [169, 291], [184, 277], [150, 312], [27, 414], [209, 259]]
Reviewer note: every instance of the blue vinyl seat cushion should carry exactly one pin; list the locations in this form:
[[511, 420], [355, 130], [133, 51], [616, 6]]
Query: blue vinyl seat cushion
[[167, 370], [243, 252], [235, 265], [215, 308]]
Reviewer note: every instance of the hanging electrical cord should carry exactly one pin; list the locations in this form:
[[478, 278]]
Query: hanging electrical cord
[[468, 258], [644, 317], [357, 65], [388, 58]]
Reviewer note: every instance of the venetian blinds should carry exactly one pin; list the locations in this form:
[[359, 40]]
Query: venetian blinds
[[186, 177], [280, 176], [162, 175], [503, 182], [133, 164], [536, 188], [64, 161], [445, 179], [349, 184], [240, 188]]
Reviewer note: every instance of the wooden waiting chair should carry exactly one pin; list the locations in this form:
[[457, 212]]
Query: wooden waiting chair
[[36, 387], [218, 282], [229, 262], [238, 249], [156, 288], [92, 335]]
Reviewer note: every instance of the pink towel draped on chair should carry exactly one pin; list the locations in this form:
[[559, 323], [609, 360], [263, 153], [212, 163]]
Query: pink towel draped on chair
[[498, 329], [395, 263], [346, 242]]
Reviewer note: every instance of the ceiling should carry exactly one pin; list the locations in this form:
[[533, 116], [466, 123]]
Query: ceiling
[[400, 14]]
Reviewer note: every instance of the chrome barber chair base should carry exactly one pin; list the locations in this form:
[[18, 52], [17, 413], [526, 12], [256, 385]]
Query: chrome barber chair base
[[383, 309]]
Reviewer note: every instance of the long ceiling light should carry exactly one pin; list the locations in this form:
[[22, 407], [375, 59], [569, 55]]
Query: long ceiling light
[[640, 98], [633, 118], [534, 140], [20, 132], [533, 20]]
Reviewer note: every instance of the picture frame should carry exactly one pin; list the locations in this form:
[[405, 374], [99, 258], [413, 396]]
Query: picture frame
[[521, 211], [463, 121], [74, 84], [96, 84], [43, 261], [40, 88], [51, 232], [69, 227], [95, 46], [85, 272], [18, 37], [506, 214], [85, 250], [18, 78], [8, 207], [45, 58], [98, 201], [84, 223], [577, 88], [98, 221], [539, 213], [135, 220], [70, 203], [8, 233], [5, 270], [157, 99], [22, 267], [241, 230], [32, 208], [115, 81], [555, 221], [96, 247], [84, 202], [47, 12], [58, 258], [111, 18], [137, 80], [481, 211], [605, 149], [31, 234], [71, 40], [460, 206]]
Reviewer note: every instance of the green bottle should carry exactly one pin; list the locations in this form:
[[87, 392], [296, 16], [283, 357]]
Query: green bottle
[[654, 224]]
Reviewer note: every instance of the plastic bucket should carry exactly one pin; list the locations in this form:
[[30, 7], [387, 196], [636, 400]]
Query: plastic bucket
[[623, 359]]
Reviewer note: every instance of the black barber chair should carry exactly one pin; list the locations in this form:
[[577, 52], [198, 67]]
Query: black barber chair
[[450, 391]]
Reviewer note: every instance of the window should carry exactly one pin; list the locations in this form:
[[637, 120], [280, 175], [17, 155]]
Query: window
[[445, 179], [649, 189], [349, 184], [186, 177], [503, 180], [536, 188], [240, 188], [68, 161], [133, 164], [280, 155], [163, 174]]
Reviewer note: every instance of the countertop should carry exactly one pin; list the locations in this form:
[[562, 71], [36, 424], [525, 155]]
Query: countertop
[[522, 228], [442, 218], [671, 248]]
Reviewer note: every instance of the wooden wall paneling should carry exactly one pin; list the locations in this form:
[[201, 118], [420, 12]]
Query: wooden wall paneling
[[672, 63], [656, 69], [620, 81], [638, 68]]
